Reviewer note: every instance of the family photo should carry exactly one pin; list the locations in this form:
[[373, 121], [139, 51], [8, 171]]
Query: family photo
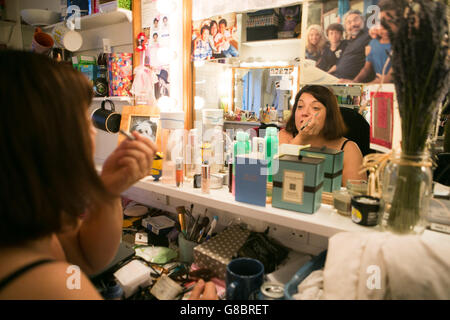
[[347, 41], [215, 38]]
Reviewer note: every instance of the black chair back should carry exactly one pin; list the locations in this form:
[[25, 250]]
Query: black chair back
[[358, 129]]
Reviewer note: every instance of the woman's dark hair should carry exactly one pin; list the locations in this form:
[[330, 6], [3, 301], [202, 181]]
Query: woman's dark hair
[[334, 126], [48, 175], [223, 21]]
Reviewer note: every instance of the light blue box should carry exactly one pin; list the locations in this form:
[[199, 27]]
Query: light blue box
[[334, 162], [298, 184], [251, 183]]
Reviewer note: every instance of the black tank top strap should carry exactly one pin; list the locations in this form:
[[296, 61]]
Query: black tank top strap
[[345, 142], [10, 278]]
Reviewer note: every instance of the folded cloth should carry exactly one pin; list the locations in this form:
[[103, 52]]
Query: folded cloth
[[311, 288], [386, 266]]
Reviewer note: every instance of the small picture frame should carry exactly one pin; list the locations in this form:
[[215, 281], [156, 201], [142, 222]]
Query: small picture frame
[[143, 119]]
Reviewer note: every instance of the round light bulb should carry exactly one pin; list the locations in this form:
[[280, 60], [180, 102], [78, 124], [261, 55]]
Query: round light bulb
[[166, 56], [199, 103], [165, 6], [166, 104]]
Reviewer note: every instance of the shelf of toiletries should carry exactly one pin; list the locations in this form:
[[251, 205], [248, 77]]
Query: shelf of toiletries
[[325, 222]]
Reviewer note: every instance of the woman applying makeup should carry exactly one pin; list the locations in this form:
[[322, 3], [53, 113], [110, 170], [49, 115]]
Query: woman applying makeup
[[316, 120]]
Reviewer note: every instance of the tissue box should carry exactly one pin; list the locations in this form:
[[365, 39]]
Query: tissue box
[[298, 183], [89, 71], [250, 182], [334, 160], [216, 253]]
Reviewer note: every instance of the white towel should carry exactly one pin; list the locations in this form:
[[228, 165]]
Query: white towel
[[311, 288], [381, 265]]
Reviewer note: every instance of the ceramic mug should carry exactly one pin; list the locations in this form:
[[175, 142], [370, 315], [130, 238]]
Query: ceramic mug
[[42, 42], [107, 120], [66, 38], [244, 278]]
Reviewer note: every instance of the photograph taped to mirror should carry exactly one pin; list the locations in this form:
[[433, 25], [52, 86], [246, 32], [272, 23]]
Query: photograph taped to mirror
[[216, 37]]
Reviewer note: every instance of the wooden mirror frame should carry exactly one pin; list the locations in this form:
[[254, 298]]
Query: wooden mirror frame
[[186, 56]]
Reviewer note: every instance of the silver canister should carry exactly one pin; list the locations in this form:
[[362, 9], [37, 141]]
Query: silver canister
[[271, 291]]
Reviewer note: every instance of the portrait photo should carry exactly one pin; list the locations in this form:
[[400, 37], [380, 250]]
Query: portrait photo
[[147, 126]]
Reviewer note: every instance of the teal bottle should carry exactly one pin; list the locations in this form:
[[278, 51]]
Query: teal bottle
[[271, 139]]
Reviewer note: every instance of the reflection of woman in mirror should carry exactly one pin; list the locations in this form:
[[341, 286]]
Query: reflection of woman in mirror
[[315, 42], [316, 120]]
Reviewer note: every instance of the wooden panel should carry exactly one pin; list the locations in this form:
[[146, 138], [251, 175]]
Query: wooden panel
[[137, 27], [187, 65]]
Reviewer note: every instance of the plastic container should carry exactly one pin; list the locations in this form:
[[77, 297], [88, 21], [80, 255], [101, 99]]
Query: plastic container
[[314, 264], [212, 138], [172, 142], [193, 158], [271, 139]]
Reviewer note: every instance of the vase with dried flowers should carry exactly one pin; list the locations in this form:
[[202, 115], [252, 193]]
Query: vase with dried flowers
[[418, 30]]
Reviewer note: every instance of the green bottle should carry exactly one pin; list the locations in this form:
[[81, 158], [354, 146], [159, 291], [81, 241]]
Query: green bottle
[[271, 139]]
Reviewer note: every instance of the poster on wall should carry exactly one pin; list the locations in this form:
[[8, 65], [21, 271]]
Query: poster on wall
[[382, 120], [216, 37], [345, 43], [156, 28]]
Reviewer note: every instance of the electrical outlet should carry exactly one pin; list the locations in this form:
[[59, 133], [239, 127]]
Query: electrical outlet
[[289, 237], [161, 199]]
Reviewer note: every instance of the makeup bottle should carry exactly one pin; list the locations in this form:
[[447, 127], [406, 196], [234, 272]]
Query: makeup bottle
[[179, 172], [205, 177]]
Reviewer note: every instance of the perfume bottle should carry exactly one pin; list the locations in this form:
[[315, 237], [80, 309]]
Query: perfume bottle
[[179, 172], [205, 177]]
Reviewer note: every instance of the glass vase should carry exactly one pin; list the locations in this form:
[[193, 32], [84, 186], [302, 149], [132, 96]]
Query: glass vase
[[406, 193]]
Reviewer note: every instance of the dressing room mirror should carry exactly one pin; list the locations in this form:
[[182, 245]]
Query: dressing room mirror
[[256, 88]]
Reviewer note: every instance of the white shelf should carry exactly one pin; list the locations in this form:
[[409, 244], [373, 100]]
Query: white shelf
[[248, 123], [120, 99], [273, 42], [325, 222], [99, 20]]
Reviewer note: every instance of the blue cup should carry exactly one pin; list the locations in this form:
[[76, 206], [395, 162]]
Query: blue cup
[[244, 278]]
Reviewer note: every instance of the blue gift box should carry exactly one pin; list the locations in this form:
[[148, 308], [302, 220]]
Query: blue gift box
[[250, 180], [298, 183], [334, 161]]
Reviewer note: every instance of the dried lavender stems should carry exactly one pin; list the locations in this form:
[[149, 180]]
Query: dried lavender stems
[[420, 62]]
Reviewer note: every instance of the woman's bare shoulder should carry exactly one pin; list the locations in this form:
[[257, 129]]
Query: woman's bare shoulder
[[57, 280]]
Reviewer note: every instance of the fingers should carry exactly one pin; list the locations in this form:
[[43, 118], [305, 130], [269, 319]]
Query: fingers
[[204, 291], [198, 289], [210, 292], [145, 140]]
